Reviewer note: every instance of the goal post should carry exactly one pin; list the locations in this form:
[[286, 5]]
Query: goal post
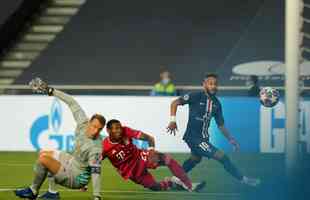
[[292, 61]]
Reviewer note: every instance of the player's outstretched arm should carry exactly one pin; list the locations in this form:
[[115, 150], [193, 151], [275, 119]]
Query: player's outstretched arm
[[40, 86], [229, 137], [219, 119], [77, 111], [150, 139]]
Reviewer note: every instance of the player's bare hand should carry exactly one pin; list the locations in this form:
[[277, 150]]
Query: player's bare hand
[[235, 144], [172, 128], [39, 86]]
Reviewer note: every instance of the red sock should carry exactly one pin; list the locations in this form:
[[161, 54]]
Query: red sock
[[177, 170]]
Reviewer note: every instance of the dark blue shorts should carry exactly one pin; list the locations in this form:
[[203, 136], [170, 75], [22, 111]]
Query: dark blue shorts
[[202, 149]]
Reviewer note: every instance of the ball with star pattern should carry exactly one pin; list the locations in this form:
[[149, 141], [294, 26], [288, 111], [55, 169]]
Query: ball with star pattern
[[269, 96]]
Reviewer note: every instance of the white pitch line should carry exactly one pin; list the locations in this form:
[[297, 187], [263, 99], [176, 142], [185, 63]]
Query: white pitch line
[[144, 192], [6, 189], [16, 164]]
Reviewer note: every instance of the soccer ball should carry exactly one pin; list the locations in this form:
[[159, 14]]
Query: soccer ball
[[269, 96]]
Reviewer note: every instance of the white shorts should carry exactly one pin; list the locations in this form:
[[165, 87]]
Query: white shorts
[[66, 174]]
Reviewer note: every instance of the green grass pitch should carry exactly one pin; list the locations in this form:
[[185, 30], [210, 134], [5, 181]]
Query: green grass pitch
[[16, 170]]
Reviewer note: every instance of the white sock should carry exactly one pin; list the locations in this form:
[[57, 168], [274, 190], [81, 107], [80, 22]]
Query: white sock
[[51, 184]]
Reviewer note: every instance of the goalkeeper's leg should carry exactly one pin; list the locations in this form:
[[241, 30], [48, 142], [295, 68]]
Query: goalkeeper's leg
[[46, 163], [65, 176], [51, 193]]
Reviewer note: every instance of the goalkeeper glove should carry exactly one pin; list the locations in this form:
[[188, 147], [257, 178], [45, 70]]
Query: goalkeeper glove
[[40, 86], [83, 178]]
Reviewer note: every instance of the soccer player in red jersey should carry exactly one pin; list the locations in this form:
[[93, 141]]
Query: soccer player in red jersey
[[133, 163]]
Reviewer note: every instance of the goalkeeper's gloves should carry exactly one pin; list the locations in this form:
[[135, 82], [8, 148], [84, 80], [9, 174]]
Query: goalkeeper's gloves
[[83, 178], [39, 86]]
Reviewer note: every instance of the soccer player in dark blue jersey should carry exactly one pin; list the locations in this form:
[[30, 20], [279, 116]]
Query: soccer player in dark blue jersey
[[203, 106]]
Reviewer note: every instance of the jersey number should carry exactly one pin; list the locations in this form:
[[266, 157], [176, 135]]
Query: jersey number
[[144, 155]]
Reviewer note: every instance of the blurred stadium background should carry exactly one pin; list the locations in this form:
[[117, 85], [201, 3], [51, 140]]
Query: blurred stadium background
[[108, 53]]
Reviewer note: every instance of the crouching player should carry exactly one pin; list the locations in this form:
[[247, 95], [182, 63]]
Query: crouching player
[[72, 171], [133, 163]]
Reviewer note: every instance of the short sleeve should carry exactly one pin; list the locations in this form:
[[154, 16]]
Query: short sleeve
[[132, 133], [219, 118], [186, 99]]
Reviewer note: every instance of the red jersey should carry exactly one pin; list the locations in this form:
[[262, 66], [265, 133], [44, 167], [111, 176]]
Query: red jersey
[[125, 156]]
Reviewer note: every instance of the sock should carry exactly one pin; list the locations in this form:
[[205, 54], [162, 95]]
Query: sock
[[51, 183], [231, 168], [40, 173], [177, 170], [189, 164]]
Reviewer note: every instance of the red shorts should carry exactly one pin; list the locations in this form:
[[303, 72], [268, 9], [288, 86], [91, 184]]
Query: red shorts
[[147, 160]]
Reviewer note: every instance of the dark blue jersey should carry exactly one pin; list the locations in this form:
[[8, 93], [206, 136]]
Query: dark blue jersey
[[202, 108]]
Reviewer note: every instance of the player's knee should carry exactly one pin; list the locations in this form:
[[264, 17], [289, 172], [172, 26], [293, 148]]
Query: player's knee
[[42, 153], [224, 160], [219, 155], [42, 159], [45, 153]]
